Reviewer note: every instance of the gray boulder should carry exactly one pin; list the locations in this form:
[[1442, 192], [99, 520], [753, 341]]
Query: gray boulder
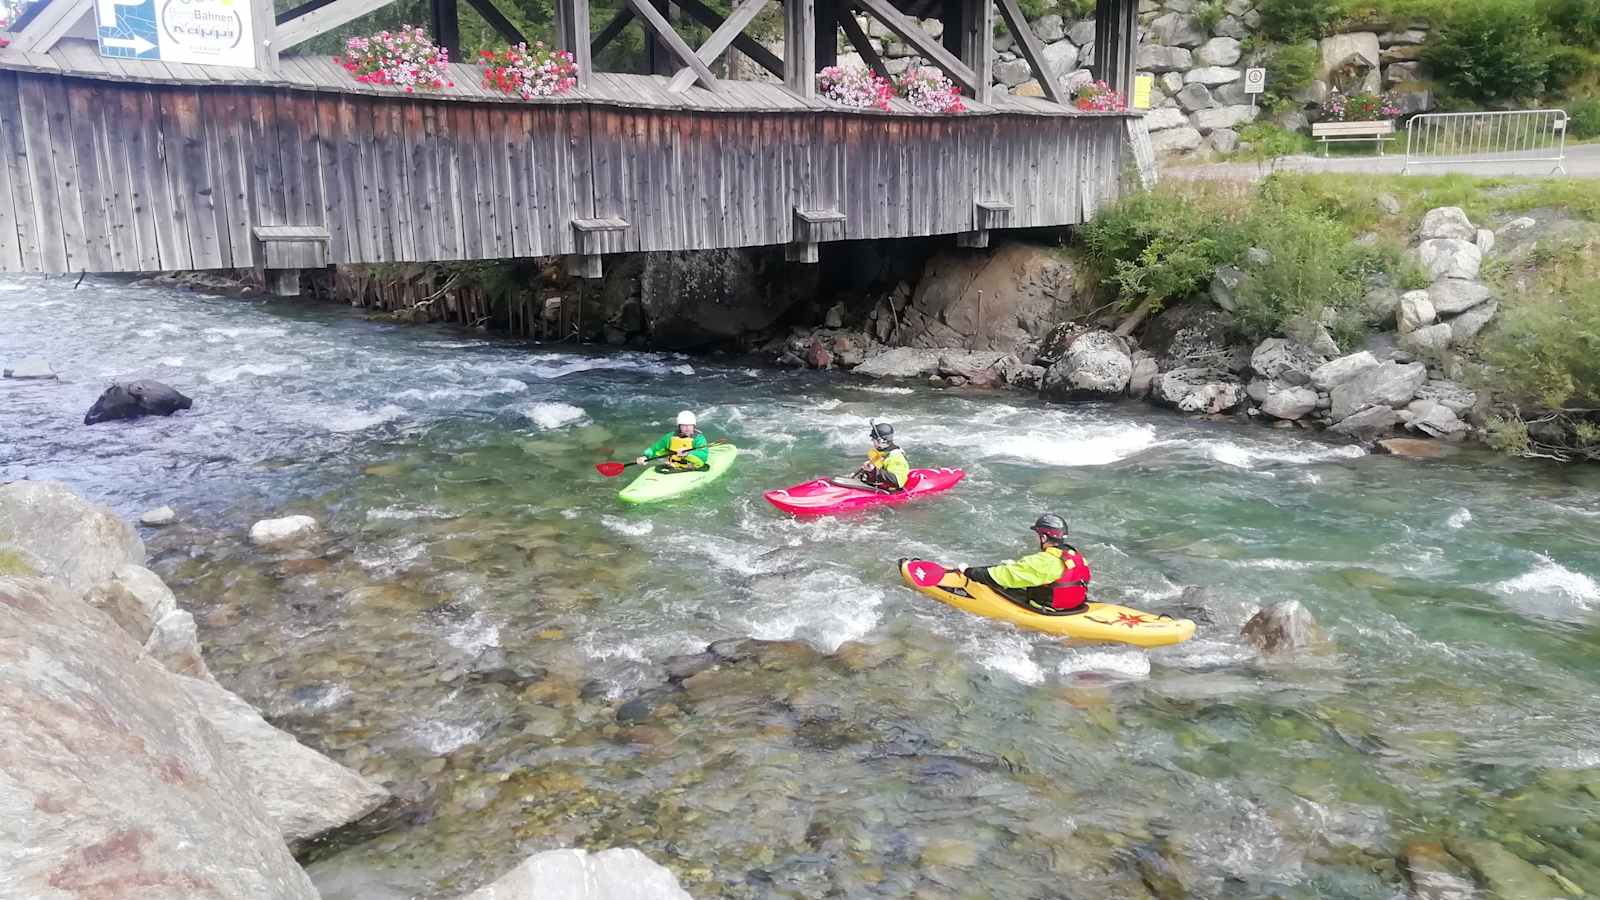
[[1143, 378], [1450, 258], [1388, 384], [1224, 117], [1060, 58], [135, 400], [1466, 326], [1082, 33], [1195, 97], [1177, 30], [135, 598], [1416, 311], [1434, 419], [174, 642], [619, 874], [116, 784], [1449, 394], [1284, 627], [1280, 359], [1430, 342], [1368, 424], [1189, 335], [912, 362], [1232, 26], [1224, 140], [1485, 241], [1219, 51], [1225, 286], [1388, 204], [1159, 58], [1096, 364], [1049, 28], [1382, 304], [1165, 118], [1199, 390], [1404, 36], [158, 517], [1176, 140], [1335, 372], [1025, 377], [1452, 296], [31, 368], [1447, 222], [1290, 402], [1354, 59], [77, 542], [1213, 75], [1012, 72]]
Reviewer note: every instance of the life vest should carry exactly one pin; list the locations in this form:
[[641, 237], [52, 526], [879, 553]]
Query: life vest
[[680, 444], [1071, 590]]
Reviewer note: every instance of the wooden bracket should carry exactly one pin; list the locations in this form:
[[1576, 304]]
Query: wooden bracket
[[987, 215], [292, 246], [812, 226], [731, 27], [593, 238]]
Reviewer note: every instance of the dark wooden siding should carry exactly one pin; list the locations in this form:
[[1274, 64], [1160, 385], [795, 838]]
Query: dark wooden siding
[[121, 177]]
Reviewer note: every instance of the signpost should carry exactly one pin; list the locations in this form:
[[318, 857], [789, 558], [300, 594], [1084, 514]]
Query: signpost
[[204, 32], [1255, 82]]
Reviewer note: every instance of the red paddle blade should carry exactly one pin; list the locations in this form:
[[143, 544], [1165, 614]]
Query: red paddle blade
[[610, 469], [924, 573]]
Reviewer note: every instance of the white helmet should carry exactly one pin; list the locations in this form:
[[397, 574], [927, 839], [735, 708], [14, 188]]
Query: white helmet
[[686, 418]]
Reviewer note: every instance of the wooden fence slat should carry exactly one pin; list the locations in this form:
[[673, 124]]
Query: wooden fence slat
[[421, 197], [16, 206], [227, 132], [52, 171]]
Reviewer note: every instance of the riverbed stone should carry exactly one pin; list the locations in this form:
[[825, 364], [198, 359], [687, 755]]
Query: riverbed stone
[[1434, 419], [1367, 424], [120, 785], [1219, 51], [158, 517], [1447, 222], [135, 399], [1450, 258], [915, 362], [1415, 448], [1097, 363], [31, 368], [1290, 403], [1335, 372], [285, 530], [1284, 627], [1429, 342], [1416, 311], [1460, 400], [1466, 326], [75, 541], [616, 874], [1284, 360], [1505, 873], [1388, 384], [1200, 390], [1453, 296]]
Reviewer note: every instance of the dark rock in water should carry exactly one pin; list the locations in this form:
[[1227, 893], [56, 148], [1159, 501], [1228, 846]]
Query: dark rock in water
[[1158, 873], [733, 649], [681, 667], [1433, 873], [593, 689], [639, 708], [135, 399], [1285, 627]]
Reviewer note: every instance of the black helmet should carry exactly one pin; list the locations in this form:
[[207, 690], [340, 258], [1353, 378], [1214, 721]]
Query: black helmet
[[882, 431], [1051, 526]]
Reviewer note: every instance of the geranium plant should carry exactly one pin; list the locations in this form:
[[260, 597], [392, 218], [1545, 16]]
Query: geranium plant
[[855, 85], [406, 58], [1361, 106], [1097, 96], [539, 72], [8, 14], [929, 90]]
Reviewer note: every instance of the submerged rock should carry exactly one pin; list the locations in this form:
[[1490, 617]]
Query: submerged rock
[[288, 529], [1434, 874], [619, 874], [1415, 448], [134, 400], [158, 517], [1284, 627], [1505, 873]]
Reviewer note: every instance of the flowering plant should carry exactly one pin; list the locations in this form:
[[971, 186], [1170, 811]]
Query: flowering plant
[[406, 58], [1362, 106], [1097, 96], [539, 72], [8, 13], [854, 85], [929, 90]]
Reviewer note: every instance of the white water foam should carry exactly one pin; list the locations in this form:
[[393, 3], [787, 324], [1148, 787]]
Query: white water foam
[[445, 737], [684, 369], [1127, 662], [549, 416], [399, 513], [1552, 589], [1459, 518], [1012, 656], [559, 365], [1242, 456], [343, 421], [473, 635], [1078, 446], [825, 405], [884, 389], [623, 526], [228, 374]]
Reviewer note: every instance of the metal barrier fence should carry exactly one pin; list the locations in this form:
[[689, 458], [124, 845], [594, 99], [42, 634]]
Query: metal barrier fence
[[1522, 136]]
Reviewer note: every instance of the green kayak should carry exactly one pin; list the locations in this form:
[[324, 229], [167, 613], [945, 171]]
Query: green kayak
[[654, 485]]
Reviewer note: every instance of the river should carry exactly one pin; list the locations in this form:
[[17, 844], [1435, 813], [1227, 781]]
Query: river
[[485, 626]]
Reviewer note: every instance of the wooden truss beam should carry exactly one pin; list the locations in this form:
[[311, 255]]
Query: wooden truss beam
[[51, 24], [863, 44], [323, 20], [730, 28], [657, 25], [800, 47], [494, 18], [572, 34], [612, 29], [912, 33], [1032, 50], [745, 44], [975, 32]]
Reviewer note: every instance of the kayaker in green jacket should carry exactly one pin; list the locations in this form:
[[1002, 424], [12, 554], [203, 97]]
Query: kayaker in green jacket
[[685, 448], [1054, 581], [886, 467]]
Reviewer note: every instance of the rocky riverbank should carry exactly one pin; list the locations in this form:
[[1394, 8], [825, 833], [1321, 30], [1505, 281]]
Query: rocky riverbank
[[132, 773]]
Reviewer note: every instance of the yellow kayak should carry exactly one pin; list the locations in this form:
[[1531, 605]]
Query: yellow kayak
[[1099, 622]]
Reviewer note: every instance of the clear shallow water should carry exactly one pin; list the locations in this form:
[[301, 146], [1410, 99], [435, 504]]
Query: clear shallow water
[[486, 628]]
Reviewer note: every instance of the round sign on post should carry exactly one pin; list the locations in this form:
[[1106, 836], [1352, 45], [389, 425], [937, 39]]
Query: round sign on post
[[1255, 81]]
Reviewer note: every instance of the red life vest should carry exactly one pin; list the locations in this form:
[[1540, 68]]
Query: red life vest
[[1071, 590]]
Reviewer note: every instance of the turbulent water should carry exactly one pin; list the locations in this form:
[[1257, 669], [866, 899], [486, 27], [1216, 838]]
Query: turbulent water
[[486, 628]]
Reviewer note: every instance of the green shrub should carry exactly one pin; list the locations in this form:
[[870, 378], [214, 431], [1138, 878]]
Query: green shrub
[[1313, 269], [1548, 353], [1585, 119], [1160, 245], [1290, 68], [1490, 51], [1209, 13], [1574, 21], [1291, 21], [1269, 141], [1573, 68]]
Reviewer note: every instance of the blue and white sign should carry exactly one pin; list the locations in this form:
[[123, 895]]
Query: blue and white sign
[[206, 32]]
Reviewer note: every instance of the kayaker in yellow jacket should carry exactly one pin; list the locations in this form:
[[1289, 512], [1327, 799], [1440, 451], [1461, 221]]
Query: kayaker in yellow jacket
[[1054, 581], [685, 448], [886, 467]]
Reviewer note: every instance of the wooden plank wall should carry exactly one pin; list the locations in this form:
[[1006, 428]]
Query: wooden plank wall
[[124, 177]]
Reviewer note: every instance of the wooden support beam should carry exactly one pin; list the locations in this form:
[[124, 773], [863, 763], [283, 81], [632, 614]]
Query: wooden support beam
[[745, 44], [572, 34], [610, 32], [298, 11], [445, 19], [656, 24], [1031, 49], [827, 40], [51, 24], [1116, 36], [730, 28], [912, 33], [324, 19], [264, 29], [976, 30], [863, 44], [494, 18], [658, 56], [800, 47]]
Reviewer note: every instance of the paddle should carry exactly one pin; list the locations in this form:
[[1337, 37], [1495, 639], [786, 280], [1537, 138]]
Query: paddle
[[924, 573], [613, 469]]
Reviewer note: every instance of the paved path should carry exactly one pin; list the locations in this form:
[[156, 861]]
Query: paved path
[[1583, 161]]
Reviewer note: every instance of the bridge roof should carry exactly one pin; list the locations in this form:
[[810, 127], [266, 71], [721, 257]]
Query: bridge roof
[[81, 59]]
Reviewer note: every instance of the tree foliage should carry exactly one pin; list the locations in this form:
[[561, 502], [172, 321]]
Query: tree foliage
[[1492, 52]]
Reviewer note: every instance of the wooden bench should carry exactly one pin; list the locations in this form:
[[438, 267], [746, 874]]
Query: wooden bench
[[1341, 132]]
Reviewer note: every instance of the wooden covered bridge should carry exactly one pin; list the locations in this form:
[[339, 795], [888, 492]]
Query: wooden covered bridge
[[129, 163]]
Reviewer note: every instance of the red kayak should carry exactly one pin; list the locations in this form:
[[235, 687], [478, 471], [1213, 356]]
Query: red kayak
[[827, 496]]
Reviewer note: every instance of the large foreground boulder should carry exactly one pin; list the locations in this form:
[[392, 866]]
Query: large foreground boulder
[[113, 782], [1388, 384], [73, 540], [1199, 390], [1096, 364], [135, 400], [1000, 300], [620, 874], [686, 301]]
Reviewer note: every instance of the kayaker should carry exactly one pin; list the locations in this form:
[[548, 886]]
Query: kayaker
[[886, 467], [684, 447], [1054, 581]]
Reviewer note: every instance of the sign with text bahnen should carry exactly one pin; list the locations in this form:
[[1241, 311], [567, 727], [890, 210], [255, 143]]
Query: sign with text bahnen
[[205, 32]]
